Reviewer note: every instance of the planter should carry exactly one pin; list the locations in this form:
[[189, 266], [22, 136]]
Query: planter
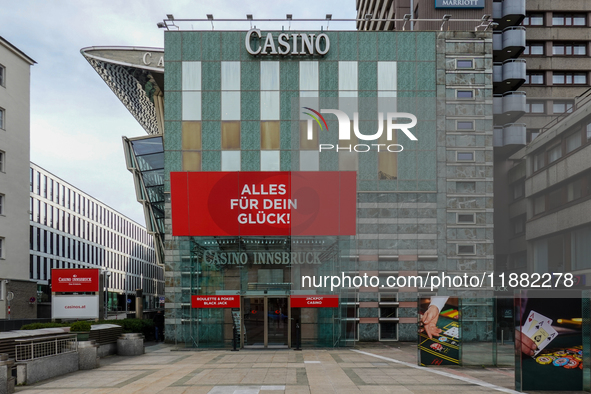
[[130, 345], [82, 335]]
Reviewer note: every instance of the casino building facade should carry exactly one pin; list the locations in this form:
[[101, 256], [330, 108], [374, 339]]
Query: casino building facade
[[233, 102]]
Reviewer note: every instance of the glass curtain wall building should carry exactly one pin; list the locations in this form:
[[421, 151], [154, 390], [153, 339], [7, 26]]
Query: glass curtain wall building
[[70, 229]]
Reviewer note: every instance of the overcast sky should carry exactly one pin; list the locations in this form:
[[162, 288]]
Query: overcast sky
[[76, 121]]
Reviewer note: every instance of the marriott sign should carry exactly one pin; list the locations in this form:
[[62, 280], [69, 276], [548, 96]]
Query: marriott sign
[[287, 44]]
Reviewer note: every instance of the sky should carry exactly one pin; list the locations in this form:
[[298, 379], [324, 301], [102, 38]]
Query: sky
[[76, 121]]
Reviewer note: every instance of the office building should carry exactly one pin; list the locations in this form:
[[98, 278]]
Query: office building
[[71, 229], [16, 290]]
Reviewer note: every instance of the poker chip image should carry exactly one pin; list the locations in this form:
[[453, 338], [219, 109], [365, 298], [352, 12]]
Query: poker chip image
[[560, 353], [572, 364], [577, 357], [561, 361], [573, 351], [436, 346], [442, 339], [580, 365], [544, 360]]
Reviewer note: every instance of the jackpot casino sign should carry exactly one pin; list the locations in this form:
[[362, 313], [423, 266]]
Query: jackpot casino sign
[[263, 203]]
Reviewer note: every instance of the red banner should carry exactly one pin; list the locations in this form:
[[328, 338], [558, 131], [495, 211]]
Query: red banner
[[74, 280], [314, 301], [217, 301], [263, 203]]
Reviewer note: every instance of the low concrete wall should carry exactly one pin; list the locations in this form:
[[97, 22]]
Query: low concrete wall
[[107, 350], [6, 379], [30, 372], [130, 345], [87, 355]]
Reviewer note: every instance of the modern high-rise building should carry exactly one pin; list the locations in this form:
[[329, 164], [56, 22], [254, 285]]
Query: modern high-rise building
[[233, 106], [16, 290], [71, 229]]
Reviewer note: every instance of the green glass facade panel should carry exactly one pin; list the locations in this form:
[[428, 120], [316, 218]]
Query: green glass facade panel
[[172, 43], [211, 75], [407, 186], [231, 45], [191, 46], [426, 50], [427, 185], [250, 135], [329, 161], [173, 136], [250, 75], [211, 46], [426, 75], [173, 160], [250, 160], [388, 185], [407, 165], [289, 76], [406, 78], [328, 75], [285, 160], [367, 185], [211, 160], [285, 136], [211, 136], [172, 76], [210, 105], [348, 45], [172, 106], [250, 105], [368, 46], [368, 166], [406, 46], [387, 46]]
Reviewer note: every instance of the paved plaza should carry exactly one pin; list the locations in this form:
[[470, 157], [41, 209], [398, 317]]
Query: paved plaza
[[373, 369]]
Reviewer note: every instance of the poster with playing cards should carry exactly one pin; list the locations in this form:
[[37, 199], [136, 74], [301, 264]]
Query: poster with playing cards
[[539, 329]]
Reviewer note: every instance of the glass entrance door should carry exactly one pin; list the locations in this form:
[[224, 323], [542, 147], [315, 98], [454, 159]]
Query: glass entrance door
[[266, 322], [277, 322]]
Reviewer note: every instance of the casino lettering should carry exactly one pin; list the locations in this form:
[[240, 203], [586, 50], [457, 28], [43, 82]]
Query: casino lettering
[[287, 44], [235, 258]]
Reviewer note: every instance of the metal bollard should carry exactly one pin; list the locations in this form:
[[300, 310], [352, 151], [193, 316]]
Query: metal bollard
[[234, 338]]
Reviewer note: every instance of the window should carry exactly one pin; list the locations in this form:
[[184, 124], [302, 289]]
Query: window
[[539, 204], [588, 132], [2, 247], [465, 94], [539, 161], [573, 142], [574, 190], [466, 249], [2, 117], [560, 107], [577, 78], [569, 20], [534, 48], [534, 78], [518, 190], [533, 20], [230, 160], [569, 49], [465, 125], [534, 107], [464, 63], [2, 159], [2, 75], [531, 134], [465, 156], [554, 153], [555, 199], [465, 218], [519, 225]]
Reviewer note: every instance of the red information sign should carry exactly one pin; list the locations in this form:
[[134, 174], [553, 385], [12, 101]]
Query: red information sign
[[215, 301], [263, 203], [314, 301], [75, 280]]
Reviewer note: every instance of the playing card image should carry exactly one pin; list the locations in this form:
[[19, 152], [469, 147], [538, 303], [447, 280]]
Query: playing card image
[[548, 338]]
